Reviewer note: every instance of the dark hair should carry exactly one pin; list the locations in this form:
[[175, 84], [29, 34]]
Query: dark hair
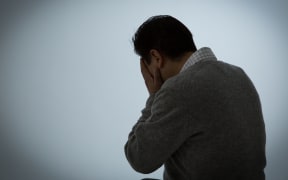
[[165, 34]]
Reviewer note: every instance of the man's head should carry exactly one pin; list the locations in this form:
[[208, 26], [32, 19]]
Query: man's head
[[161, 40], [164, 34]]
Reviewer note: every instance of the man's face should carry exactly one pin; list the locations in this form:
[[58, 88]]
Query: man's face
[[152, 76], [151, 66], [157, 63]]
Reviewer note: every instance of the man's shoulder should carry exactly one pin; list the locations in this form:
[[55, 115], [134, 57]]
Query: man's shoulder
[[204, 73], [192, 74]]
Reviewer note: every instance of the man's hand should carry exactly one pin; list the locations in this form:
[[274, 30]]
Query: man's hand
[[153, 81]]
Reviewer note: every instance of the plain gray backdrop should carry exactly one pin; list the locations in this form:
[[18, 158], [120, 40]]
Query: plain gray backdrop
[[71, 88]]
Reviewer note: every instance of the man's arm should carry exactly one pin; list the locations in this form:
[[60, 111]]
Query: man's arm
[[154, 140], [153, 83], [161, 129]]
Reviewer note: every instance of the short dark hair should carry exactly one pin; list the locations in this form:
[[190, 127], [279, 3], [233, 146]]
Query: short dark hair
[[165, 34]]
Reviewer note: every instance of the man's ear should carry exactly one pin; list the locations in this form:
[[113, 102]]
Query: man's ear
[[158, 57]]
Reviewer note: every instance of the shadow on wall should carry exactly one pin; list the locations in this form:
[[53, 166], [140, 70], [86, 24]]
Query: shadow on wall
[[14, 165], [12, 10]]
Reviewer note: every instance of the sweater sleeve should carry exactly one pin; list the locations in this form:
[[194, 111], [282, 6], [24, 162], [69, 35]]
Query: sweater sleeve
[[160, 131], [146, 113]]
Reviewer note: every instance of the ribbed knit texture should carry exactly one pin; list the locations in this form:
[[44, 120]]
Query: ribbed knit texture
[[205, 123]]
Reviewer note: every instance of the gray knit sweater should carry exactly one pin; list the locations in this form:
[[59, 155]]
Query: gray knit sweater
[[205, 123]]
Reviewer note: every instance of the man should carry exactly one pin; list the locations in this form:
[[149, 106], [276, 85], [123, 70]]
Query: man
[[203, 119]]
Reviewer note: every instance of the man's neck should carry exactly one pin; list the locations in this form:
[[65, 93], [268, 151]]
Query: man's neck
[[173, 67], [183, 60]]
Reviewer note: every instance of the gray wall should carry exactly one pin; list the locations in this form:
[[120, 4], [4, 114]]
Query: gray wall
[[71, 88]]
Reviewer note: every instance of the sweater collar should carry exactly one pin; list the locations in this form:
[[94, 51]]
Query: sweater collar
[[203, 53]]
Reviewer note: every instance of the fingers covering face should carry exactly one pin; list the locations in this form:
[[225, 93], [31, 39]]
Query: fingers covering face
[[144, 70]]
